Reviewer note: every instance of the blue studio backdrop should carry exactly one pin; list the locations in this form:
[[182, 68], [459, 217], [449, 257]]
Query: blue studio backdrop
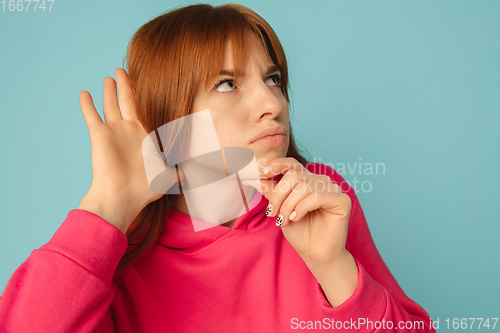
[[401, 97]]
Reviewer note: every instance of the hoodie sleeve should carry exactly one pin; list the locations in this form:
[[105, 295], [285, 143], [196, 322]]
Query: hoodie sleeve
[[65, 285], [378, 303]]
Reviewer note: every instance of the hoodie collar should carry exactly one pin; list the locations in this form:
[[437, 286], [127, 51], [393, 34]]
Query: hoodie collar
[[179, 232]]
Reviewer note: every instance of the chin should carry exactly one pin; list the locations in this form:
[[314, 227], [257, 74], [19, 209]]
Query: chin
[[263, 159]]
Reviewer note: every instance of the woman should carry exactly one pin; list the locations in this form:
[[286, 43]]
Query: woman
[[130, 260]]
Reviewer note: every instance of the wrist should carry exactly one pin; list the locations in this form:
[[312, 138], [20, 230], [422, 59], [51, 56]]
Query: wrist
[[115, 211], [338, 279]]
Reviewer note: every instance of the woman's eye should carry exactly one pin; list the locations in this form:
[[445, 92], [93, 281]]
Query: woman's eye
[[276, 79], [224, 84]]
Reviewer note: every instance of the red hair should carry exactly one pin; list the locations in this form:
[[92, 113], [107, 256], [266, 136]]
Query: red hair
[[167, 60]]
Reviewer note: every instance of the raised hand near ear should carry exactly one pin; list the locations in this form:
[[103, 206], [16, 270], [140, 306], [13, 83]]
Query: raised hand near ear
[[119, 189]]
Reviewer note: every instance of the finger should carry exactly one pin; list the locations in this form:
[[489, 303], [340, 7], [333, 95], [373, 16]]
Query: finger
[[110, 102], [281, 191], [281, 165], [338, 204], [300, 192], [289, 182], [90, 114], [126, 96]]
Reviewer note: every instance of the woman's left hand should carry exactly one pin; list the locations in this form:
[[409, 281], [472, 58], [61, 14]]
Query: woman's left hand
[[318, 232]]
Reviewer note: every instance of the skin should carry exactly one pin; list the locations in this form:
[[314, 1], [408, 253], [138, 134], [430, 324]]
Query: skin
[[242, 108], [120, 190]]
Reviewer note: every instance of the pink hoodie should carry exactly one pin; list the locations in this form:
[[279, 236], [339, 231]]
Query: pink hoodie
[[244, 279]]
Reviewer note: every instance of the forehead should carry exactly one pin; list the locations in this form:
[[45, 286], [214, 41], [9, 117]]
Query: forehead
[[254, 52]]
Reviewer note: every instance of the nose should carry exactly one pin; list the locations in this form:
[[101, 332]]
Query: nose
[[264, 102]]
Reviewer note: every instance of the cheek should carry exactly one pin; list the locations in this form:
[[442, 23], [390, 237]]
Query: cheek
[[227, 131]]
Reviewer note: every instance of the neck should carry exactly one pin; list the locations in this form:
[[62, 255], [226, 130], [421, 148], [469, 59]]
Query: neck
[[178, 202], [216, 195]]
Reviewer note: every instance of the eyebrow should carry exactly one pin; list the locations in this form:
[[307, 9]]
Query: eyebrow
[[270, 70]]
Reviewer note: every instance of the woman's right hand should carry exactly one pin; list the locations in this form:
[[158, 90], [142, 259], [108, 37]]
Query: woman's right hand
[[120, 188]]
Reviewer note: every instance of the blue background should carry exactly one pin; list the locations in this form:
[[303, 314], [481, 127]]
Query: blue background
[[411, 84]]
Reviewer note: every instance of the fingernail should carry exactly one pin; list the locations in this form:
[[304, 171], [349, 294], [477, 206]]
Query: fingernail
[[293, 215], [279, 220], [269, 210], [266, 169]]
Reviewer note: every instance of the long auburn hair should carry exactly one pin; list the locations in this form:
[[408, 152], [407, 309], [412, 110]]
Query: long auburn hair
[[167, 59]]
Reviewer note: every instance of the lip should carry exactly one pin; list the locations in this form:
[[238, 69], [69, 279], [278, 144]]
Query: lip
[[271, 141], [271, 134]]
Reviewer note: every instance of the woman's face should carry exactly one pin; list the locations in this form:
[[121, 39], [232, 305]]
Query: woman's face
[[241, 108]]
